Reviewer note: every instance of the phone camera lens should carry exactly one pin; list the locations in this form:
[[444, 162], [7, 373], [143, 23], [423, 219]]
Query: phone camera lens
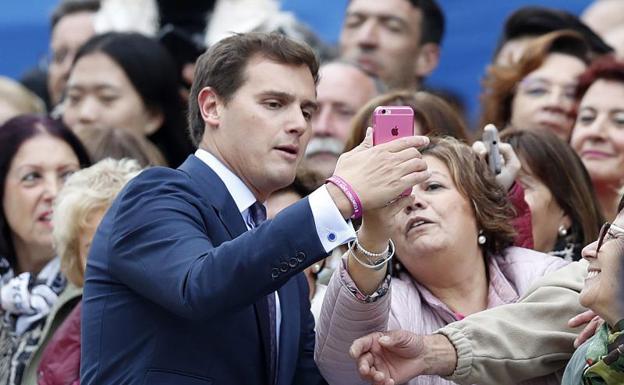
[[383, 111]]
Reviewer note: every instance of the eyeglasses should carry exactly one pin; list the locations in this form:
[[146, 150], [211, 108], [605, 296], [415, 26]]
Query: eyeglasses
[[608, 228]]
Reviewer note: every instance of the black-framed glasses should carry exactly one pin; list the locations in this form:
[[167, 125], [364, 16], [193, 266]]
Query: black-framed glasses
[[607, 228]]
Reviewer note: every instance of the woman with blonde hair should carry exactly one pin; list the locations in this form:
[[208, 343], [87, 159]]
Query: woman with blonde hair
[[15, 99]]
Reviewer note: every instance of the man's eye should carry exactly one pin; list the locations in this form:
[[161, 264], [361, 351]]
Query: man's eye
[[353, 21], [273, 104]]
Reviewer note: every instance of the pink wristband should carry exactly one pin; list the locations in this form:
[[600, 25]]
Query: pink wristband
[[350, 193]]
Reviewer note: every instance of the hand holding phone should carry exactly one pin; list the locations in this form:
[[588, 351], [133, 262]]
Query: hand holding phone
[[491, 141], [390, 123]]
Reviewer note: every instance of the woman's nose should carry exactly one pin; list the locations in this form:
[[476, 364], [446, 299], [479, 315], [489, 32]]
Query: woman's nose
[[416, 201]]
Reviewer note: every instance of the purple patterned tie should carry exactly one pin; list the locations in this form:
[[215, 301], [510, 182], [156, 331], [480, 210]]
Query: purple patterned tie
[[257, 214]]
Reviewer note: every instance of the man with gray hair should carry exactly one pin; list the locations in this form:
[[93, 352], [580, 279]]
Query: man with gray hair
[[343, 89]]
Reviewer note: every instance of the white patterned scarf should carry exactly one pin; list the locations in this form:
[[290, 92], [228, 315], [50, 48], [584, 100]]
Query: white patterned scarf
[[25, 302]]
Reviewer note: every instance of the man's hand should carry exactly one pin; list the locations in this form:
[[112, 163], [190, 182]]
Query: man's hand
[[593, 322], [379, 174], [397, 356]]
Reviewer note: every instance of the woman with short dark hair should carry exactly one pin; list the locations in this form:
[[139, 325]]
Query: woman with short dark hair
[[598, 135]]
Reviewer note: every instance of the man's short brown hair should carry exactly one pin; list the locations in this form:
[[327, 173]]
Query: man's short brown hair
[[222, 67]]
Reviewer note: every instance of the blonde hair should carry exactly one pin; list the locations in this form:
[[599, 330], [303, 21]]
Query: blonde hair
[[20, 98], [85, 192]]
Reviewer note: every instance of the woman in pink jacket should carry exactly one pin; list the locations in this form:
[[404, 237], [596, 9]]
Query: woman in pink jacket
[[453, 257]]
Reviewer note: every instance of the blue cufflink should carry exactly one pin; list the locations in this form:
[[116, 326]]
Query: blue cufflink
[[331, 237]]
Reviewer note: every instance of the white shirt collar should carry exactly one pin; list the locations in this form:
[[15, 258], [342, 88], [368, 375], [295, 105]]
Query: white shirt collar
[[243, 197]]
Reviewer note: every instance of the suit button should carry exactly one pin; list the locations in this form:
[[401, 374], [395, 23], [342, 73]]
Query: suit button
[[292, 262], [300, 256], [274, 273], [283, 267]]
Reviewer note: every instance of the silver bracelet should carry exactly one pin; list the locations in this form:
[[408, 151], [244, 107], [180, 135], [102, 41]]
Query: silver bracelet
[[370, 254], [381, 260]]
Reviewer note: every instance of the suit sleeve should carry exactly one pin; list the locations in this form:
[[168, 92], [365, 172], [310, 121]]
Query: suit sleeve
[[159, 248], [516, 342]]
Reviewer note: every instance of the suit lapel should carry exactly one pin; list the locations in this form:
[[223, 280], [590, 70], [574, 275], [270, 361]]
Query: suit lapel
[[224, 206]]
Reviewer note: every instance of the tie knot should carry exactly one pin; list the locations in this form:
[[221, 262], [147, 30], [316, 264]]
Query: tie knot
[[257, 213]]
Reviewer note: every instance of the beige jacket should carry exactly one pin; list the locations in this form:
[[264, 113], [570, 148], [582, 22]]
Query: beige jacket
[[523, 340]]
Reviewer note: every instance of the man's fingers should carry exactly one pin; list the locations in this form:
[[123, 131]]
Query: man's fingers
[[362, 345], [588, 331], [581, 319], [407, 154], [403, 143], [364, 364]]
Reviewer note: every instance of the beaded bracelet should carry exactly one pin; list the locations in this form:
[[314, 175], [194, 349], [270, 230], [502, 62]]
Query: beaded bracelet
[[377, 264], [350, 193]]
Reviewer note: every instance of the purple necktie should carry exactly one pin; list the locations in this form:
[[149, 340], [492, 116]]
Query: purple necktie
[[257, 214]]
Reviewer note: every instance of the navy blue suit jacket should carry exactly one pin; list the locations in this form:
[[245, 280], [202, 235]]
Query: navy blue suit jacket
[[175, 287]]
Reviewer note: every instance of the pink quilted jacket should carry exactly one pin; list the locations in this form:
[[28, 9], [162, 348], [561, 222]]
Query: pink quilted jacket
[[410, 306]]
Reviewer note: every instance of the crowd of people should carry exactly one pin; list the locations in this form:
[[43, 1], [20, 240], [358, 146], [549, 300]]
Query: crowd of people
[[186, 205]]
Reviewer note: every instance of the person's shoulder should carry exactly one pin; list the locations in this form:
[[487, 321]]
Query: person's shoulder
[[156, 179], [522, 265], [519, 256]]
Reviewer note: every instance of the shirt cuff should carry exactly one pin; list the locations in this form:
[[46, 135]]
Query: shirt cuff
[[331, 227]]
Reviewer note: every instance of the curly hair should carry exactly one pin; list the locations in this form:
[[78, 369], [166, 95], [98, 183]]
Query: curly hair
[[86, 192]]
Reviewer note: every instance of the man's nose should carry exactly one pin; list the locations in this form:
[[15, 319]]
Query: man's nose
[[323, 123]]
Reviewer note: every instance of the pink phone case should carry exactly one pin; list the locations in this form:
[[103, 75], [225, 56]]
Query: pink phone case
[[392, 122]]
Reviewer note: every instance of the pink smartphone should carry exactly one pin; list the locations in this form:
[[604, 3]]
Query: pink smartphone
[[392, 122]]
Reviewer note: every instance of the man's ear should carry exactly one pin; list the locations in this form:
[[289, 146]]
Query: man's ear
[[427, 60], [209, 106]]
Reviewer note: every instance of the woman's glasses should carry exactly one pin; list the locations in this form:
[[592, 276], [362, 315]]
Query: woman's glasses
[[608, 229]]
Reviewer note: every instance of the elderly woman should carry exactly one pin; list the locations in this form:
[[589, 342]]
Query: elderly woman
[[565, 214], [598, 135], [452, 240], [600, 360], [78, 210], [537, 93], [37, 155]]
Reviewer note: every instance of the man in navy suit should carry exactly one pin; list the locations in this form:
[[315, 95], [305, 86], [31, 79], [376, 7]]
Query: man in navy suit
[[185, 284]]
